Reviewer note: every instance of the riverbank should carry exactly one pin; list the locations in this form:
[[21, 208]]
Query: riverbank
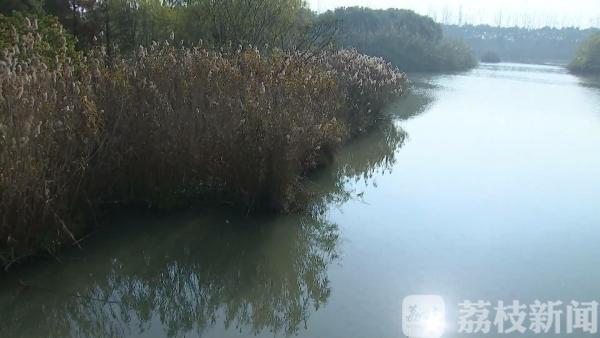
[[168, 127]]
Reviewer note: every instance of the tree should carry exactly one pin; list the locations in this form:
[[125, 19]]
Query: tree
[[55, 42], [587, 59], [410, 41], [126, 24], [28, 6], [256, 22]]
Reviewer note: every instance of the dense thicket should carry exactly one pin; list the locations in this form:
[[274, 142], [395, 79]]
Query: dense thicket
[[587, 59], [408, 40], [126, 24], [165, 126], [518, 44]]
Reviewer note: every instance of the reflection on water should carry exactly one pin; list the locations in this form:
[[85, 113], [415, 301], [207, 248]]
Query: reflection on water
[[523, 68], [422, 96], [590, 81], [369, 155], [186, 273], [200, 274]]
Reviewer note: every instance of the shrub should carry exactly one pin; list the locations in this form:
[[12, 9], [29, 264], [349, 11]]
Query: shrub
[[490, 57], [50, 43], [587, 59], [454, 54]]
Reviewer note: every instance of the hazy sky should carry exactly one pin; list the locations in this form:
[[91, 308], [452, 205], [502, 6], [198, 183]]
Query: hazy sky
[[583, 13]]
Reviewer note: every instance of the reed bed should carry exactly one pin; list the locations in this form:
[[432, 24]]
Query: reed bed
[[168, 127]]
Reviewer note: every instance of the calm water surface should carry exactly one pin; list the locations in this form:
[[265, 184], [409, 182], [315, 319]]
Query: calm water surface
[[493, 193]]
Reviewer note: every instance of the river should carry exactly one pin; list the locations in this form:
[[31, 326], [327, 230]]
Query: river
[[482, 185]]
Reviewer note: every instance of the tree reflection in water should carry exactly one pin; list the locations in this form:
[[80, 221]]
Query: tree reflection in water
[[185, 274]]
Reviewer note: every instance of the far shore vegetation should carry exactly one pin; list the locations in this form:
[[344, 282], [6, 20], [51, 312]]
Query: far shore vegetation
[[412, 42], [490, 57], [587, 59], [543, 45]]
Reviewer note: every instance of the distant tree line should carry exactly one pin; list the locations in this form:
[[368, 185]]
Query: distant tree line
[[529, 18], [515, 44], [410, 41]]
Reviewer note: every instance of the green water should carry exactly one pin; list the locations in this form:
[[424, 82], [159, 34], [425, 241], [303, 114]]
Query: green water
[[493, 193]]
